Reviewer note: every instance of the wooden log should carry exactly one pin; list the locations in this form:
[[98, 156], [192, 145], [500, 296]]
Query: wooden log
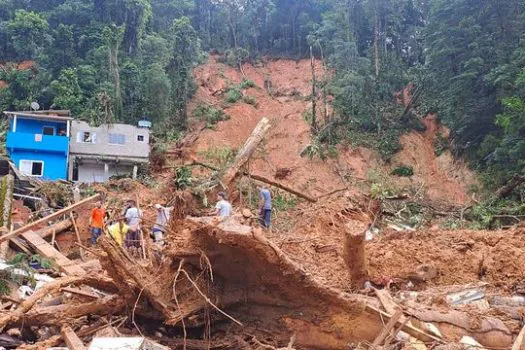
[[354, 255], [386, 330], [53, 216], [63, 314], [282, 187], [73, 342], [246, 151], [57, 227]]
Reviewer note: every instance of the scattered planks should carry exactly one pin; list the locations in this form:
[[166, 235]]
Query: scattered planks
[[44, 220], [47, 250]]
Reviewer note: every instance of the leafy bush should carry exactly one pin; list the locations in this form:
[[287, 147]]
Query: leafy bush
[[220, 155], [404, 170], [233, 95], [235, 57], [210, 114], [440, 144], [183, 178], [246, 83], [281, 203], [250, 100]]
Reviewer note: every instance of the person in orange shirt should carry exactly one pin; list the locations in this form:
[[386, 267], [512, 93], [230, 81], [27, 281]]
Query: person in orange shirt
[[96, 222]]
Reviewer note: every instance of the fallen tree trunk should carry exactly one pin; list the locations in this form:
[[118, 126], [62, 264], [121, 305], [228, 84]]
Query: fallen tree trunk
[[63, 314], [246, 151], [282, 187], [146, 283], [96, 281], [507, 189], [269, 279]]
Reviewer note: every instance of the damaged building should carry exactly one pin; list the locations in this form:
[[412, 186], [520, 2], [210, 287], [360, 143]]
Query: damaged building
[[97, 153]]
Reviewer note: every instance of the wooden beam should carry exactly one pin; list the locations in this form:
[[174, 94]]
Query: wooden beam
[[73, 342], [47, 250], [43, 220]]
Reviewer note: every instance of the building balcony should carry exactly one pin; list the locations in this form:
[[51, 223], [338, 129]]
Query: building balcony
[[37, 142]]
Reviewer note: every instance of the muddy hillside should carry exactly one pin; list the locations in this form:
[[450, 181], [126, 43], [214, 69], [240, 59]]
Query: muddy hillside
[[341, 267]]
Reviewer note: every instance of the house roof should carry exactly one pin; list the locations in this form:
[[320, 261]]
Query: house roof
[[44, 115]]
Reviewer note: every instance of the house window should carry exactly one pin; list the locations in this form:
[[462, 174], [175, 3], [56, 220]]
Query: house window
[[140, 138], [117, 139], [32, 168], [48, 130], [86, 137]]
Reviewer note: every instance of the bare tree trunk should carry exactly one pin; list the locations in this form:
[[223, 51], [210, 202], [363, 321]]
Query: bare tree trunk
[[314, 93], [355, 256], [246, 151], [377, 67]]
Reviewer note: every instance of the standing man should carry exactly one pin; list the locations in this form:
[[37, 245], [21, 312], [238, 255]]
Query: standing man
[[163, 219], [265, 206], [133, 218], [96, 221], [223, 208]]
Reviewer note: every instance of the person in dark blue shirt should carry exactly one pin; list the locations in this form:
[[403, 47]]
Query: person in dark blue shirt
[[265, 207]]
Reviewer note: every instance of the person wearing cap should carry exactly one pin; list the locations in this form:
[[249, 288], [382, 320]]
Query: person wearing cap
[[223, 208], [133, 218], [161, 223]]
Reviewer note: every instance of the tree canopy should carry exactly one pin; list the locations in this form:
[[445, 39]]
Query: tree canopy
[[128, 59]]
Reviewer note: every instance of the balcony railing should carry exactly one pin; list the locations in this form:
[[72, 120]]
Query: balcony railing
[[37, 142]]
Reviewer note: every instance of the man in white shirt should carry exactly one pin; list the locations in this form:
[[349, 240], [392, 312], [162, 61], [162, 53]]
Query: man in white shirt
[[223, 208], [163, 218], [133, 218]]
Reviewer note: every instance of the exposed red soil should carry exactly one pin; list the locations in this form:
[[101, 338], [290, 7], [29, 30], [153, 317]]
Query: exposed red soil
[[444, 178], [24, 65], [290, 133], [438, 178]]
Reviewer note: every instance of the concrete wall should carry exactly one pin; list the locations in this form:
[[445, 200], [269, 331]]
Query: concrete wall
[[101, 146], [94, 172]]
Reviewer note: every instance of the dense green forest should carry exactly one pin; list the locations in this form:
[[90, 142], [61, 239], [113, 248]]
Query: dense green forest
[[112, 60]]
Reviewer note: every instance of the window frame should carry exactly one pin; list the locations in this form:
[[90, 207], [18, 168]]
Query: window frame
[[31, 162], [116, 135], [92, 136], [143, 138], [50, 127]]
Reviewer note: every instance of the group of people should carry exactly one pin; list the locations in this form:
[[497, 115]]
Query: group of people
[[126, 229], [223, 208]]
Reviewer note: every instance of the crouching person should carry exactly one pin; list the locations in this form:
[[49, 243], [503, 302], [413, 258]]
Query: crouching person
[[161, 223]]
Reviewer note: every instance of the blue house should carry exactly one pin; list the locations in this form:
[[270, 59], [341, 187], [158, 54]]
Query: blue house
[[38, 143]]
